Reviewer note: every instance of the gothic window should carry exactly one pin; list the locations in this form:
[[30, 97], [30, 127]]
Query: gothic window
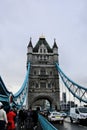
[[50, 72], [49, 85], [44, 50], [47, 57], [36, 85], [43, 71], [31, 84], [43, 85], [41, 50], [40, 57], [34, 72], [44, 57], [52, 84]]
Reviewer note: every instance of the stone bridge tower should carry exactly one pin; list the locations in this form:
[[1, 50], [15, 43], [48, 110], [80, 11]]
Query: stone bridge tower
[[43, 78]]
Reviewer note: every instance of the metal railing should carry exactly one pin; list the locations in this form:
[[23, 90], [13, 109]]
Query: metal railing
[[45, 124]]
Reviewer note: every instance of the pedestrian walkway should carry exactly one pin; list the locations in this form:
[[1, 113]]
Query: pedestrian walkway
[[38, 127]]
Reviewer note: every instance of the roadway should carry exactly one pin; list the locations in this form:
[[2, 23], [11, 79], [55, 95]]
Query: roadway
[[65, 126], [69, 126]]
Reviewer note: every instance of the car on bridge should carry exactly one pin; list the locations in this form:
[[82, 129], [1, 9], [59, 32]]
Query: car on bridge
[[64, 114], [78, 114], [55, 117]]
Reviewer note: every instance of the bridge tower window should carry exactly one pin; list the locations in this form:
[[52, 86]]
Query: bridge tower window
[[44, 50], [43, 85], [35, 72], [40, 57], [43, 71], [50, 72], [44, 57], [41, 50], [49, 85], [36, 85]]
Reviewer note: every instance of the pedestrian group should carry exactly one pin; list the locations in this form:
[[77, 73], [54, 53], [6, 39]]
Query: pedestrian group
[[11, 117]]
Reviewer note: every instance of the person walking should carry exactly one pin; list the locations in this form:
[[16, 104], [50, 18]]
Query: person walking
[[29, 119], [11, 115], [3, 118], [21, 117], [35, 119]]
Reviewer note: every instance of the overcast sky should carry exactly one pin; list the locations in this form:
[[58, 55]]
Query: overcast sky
[[65, 20]]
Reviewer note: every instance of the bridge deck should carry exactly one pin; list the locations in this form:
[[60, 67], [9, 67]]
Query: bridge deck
[[24, 128]]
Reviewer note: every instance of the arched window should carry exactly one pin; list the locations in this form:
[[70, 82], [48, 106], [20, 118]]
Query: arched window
[[41, 50], [49, 85], [50, 72], [43, 71], [44, 50], [45, 57], [34, 72], [36, 85], [43, 85], [40, 57]]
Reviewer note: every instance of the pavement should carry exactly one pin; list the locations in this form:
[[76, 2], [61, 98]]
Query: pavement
[[38, 127]]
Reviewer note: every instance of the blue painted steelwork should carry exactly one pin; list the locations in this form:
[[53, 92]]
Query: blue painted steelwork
[[3, 87], [4, 98], [24, 84], [45, 124], [4, 93], [77, 91], [19, 97]]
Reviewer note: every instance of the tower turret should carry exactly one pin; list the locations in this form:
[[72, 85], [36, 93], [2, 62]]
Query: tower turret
[[29, 51], [55, 51], [30, 47]]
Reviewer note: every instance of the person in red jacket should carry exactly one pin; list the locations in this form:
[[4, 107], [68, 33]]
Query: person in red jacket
[[11, 120]]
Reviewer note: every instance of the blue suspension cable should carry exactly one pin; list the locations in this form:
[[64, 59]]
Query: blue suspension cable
[[73, 87]]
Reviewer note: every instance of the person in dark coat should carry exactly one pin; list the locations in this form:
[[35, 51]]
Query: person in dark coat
[[21, 117], [29, 119], [35, 117]]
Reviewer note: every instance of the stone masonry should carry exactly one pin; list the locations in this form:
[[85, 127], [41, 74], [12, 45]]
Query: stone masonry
[[43, 79]]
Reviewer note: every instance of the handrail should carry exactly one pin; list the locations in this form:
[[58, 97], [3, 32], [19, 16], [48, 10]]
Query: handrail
[[2, 85], [4, 98], [21, 94], [45, 124], [16, 95], [76, 90]]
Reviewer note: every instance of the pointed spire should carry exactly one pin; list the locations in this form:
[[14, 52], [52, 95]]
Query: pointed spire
[[30, 43], [55, 45]]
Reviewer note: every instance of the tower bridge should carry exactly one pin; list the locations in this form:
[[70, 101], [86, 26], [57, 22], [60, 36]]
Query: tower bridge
[[42, 80]]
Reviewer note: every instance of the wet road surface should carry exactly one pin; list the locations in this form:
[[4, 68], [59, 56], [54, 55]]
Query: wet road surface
[[69, 126]]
